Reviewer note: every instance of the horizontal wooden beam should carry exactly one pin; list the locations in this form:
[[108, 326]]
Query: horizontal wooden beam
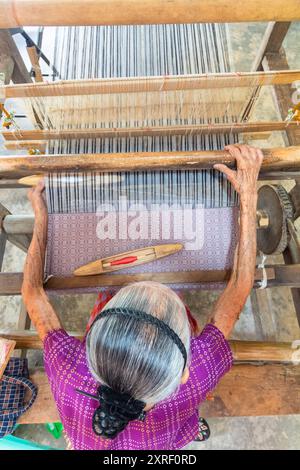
[[247, 390], [109, 12], [242, 350], [263, 351], [20, 224], [34, 138], [278, 275], [13, 166], [41, 145], [150, 84], [276, 175], [11, 282], [11, 183], [20, 240], [26, 339], [27, 145]]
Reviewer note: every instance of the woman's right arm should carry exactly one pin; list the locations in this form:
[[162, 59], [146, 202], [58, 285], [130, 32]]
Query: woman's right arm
[[40, 311]]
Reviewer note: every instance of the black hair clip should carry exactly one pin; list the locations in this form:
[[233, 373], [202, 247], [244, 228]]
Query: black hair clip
[[115, 411]]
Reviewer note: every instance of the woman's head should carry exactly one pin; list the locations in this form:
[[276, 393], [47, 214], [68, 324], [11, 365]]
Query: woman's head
[[134, 357]]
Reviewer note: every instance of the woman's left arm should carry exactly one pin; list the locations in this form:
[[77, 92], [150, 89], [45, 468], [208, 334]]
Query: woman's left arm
[[244, 179], [40, 311]]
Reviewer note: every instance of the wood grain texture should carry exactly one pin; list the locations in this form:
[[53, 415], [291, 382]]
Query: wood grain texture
[[22, 241], [142, 255], [10, 184], [151, 84], [271, 42], [108, 12], [262, 351], [34, 59], [24, 323], [12, 166], [18, 224], [10, 283], [278, 275], [282, 93], [18, 71], [263, 314], [44, 409], [247, 390], [292, 254], [26, 144], [6, 349], [34, 138], [33, 180]]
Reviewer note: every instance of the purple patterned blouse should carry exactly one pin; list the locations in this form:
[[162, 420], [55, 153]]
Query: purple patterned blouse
[[171, 424]]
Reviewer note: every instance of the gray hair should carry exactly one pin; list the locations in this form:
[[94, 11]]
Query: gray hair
[[133, 357]]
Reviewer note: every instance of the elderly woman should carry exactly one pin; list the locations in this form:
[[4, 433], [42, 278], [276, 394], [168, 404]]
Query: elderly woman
[[138, 378]]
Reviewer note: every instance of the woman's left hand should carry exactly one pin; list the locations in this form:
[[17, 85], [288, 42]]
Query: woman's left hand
[[248, 161]]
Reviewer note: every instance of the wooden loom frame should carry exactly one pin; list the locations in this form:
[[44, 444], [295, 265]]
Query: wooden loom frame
[[109, 12], [244, 378]]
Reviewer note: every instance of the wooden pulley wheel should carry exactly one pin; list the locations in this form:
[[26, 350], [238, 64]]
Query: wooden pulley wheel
[[274, 201]]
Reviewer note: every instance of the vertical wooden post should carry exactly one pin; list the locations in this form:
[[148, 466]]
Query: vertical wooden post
[[282, 93], [271, 44], [24, 323], [3, 238], [34, 59], [261, 302], [11, 60], [292, 256], [22, 242]]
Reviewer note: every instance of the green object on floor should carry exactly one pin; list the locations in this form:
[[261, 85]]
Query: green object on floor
[[55, 429], [15, 443]]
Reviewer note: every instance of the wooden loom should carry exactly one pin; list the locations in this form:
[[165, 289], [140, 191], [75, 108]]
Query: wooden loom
[[278, 164]]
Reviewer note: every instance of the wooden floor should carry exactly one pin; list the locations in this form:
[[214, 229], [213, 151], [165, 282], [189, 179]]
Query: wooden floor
[[267, 390]]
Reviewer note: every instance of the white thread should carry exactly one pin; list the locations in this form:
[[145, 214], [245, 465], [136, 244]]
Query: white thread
[[264, 282], [46, 279]]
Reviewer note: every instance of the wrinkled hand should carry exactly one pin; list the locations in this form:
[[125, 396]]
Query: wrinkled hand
[[35, 195], [248, 160]]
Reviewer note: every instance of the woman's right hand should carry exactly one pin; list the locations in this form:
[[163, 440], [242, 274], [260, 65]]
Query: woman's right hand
[[248, 160]]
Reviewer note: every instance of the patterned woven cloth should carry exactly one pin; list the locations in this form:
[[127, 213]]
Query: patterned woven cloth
[[73, 241], [13, 385], [171, 424]]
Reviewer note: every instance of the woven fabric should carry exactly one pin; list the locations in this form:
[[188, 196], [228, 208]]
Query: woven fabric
[[13, 386], [73, 242], [141, 51], [171, 424], [136, 51]]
